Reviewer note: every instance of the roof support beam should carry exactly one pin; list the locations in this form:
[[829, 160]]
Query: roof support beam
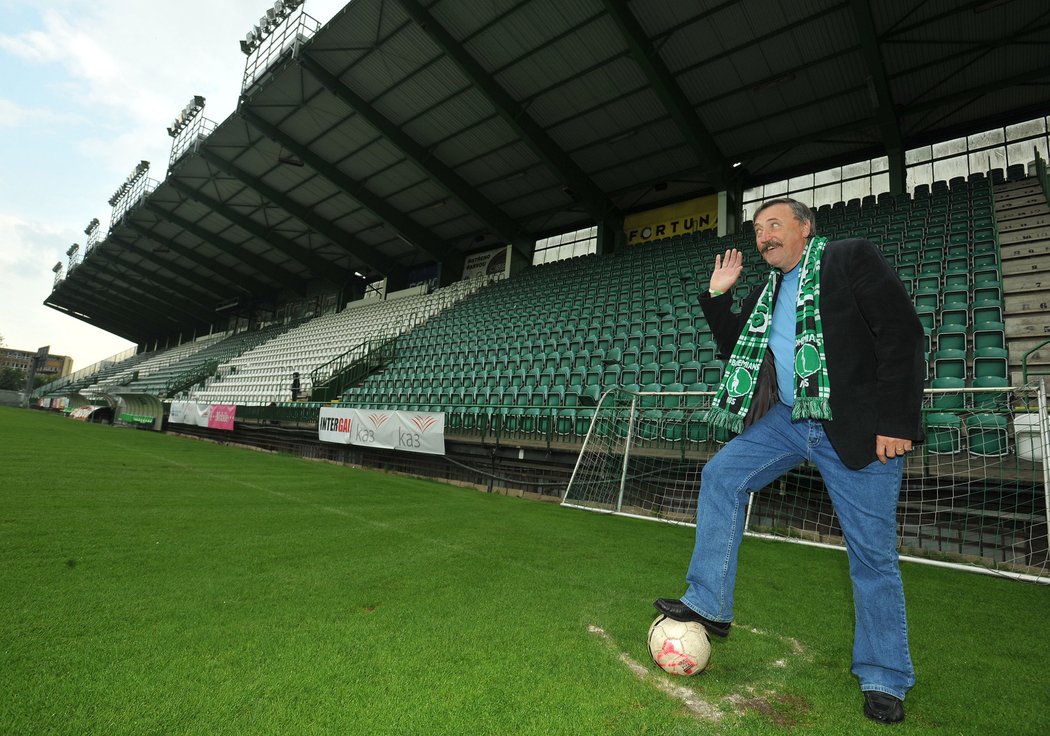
[[882, 96], [154, 290], [501, 224], [580, 186], [356, 248], [241, 283], [218, 290], [321, 268], [111, 302], [128, 326], [666, 88], [135, 273], [409, 229], [263, 266], [143, 300]]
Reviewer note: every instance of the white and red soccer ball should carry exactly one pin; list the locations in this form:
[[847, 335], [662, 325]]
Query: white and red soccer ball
[[679, 647]]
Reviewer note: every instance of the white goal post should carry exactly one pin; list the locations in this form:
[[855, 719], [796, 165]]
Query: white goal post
[[975, 495]]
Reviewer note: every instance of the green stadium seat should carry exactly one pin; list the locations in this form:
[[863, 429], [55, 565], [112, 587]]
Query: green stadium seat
[[989, 362], [669, 373], [951, 337], [986, 310], [949, 364], [987, 435], [590, 395], [988, 290], [947, 401], [943, 433], [989, 335], [712, 373], [997, 400], [649, 373], [928, 315]]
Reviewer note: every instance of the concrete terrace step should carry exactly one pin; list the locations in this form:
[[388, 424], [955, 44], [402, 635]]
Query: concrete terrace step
[[1036, 263], [1027, 327], [1018, 348], [1011, 214], [1033, 218], [1005, 209], [1020, 185], [1024, 234], [1026, 249], [1022, 302]]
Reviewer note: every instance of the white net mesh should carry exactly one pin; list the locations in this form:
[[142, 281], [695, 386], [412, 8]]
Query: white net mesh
[[974, 493]]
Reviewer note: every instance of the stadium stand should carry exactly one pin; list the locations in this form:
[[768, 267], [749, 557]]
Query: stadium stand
[[262, 374], [331, 178]]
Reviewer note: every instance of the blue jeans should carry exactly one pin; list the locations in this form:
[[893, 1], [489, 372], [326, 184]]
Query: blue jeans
[[865, 502]]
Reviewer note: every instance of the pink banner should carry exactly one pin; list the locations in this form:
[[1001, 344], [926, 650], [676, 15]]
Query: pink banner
[[221, 416]]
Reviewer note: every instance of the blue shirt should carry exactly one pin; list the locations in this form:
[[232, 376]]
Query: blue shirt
[[782, 335]]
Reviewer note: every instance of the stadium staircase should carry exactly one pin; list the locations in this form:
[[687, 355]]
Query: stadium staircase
[[1023, 214]]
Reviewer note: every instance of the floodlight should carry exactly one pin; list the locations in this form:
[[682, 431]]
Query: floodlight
[[71, 251], [57, 267], [271, 15]]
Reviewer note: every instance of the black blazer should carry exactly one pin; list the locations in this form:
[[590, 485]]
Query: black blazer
[[874, 343]]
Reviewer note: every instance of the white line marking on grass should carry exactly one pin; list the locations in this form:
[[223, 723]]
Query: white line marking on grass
[[797, 647], [694, 703]]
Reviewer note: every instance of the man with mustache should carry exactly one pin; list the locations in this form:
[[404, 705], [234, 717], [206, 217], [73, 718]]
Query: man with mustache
[[827, 365]]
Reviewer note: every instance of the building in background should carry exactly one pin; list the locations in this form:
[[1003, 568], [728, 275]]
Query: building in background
[[56, 366]]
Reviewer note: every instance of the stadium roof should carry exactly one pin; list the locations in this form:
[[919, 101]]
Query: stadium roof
[[409, 132]]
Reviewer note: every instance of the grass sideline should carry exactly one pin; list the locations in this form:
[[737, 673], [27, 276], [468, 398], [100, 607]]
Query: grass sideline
[[155, 584]]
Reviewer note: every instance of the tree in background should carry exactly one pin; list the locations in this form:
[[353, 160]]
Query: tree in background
[[12, 379]]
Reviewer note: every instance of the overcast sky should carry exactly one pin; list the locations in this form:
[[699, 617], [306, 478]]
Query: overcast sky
[[87, 89]]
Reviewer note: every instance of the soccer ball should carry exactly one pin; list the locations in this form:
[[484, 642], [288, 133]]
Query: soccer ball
[[679, 647]]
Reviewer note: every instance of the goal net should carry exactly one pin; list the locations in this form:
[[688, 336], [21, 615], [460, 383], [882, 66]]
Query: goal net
[[975, 494]]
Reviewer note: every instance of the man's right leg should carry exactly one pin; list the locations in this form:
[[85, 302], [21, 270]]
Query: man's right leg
[[759, 455]]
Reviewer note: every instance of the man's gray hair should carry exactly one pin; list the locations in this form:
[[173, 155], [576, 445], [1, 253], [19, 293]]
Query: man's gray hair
[[801, 212]]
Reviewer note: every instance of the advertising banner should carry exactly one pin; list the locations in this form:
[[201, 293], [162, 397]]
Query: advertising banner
[[335, 425], [691, 216], [189, 412], [489, 263], [410, 431], [82, 413], [221, 416], [421, 431]]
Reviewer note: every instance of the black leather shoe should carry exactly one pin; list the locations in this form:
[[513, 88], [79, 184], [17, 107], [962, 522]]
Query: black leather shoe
[[883, 707], [674, 608]]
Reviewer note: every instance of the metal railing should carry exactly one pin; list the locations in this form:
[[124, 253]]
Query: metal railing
[[286, 39], [329, 380]]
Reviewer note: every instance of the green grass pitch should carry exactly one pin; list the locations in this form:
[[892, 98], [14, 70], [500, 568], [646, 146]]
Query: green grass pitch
[[153, 584]]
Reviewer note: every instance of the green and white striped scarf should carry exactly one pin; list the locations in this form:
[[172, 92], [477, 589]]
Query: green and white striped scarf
[[732, 402]]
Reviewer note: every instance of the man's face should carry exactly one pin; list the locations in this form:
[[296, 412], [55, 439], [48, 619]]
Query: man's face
[[780, 237]]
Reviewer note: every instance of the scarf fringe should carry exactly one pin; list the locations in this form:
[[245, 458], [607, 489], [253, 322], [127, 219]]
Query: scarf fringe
[[718, 417], [810, 407]]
